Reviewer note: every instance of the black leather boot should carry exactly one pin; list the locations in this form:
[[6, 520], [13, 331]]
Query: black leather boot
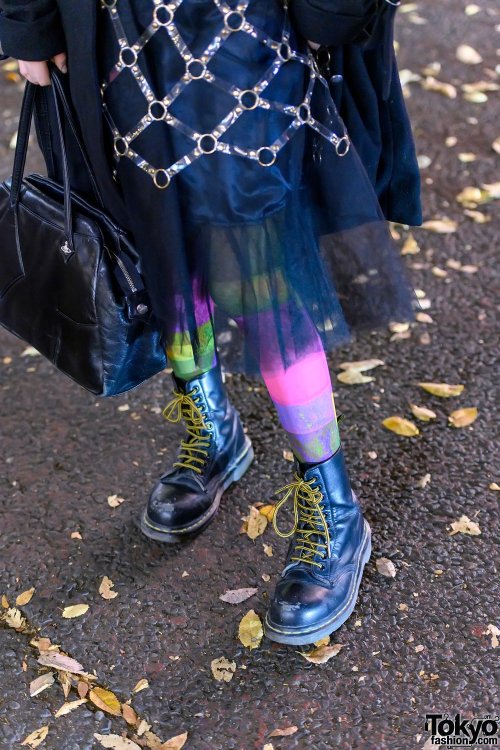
[[331, 543], [215, 454]]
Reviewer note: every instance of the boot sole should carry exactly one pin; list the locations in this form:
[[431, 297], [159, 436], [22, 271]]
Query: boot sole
[[233, 473], [326, 627]]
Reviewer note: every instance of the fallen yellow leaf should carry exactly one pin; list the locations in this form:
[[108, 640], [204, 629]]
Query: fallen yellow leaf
[[440, 226], [36, 738], [268, 511], [468, 55], [465, 526], [463, 417], [105, 588], [114, 501], [410, 246], [287, 732], [222, 669], [66, 708], [401, 426], [115, 742], [250, 630], [432, 84], [362, 365], [443, 390], [322, 654], [76, 610], [420, 412], [494, 632], [256, 523], [353, 377], [174, 743], [5, 602], [25, 597], [105, 700], [141, 685], [41, 683], [13, 617]]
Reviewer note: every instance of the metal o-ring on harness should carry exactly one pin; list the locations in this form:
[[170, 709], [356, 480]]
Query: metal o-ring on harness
[[164, 174], [266, 156], [166, 12], [236, 17], [248, 99], [207, 143], [338, 145], [157, 110], [120, 146], [126, 52]]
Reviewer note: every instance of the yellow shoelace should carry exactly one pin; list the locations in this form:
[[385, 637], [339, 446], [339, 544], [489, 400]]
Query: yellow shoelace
[[309, 520], [195, 450]]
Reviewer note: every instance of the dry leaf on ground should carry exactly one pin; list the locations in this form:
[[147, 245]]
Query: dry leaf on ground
[[114, 501], [66, 708], [129, 714], [268, 511], [141, 685], [401, 426], [75, 610], [175, 743], [222, 669], [463, 417], [386, 567], [494, 632], [41, 683], [105, 700], [36, 738], [236, 596], [287, 732], [420, 412], [14, 618], [443, 390], [61, 661], [105, 588], [465, 526], [440, 226], [250, 630], [362, 365], [322, 654], [115, 742], [468, 55], [410, 246], [256, 523], [353, 377], [441, 87], [25, 597]]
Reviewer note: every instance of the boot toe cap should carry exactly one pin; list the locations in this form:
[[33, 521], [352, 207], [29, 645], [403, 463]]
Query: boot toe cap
[[172, 506], [299, 605]]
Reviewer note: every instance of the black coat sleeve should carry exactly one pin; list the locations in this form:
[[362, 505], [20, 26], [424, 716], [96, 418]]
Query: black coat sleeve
[[333, 23], [31, 29]]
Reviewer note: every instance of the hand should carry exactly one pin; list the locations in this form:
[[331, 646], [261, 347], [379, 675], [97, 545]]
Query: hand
[[314, 45], [37, 71]]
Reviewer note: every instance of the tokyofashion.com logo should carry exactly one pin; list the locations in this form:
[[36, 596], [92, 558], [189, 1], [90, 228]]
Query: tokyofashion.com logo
[[454, 731]]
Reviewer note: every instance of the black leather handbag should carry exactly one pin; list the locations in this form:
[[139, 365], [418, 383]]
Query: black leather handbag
[[70, 279], [333, 23]]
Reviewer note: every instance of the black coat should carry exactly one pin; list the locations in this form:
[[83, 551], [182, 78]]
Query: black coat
[[369, 99]]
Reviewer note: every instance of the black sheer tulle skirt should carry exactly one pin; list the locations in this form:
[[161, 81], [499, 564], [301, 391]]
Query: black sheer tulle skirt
[[254, 215]]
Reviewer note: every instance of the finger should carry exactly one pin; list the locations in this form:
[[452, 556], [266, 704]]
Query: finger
[[61, 62]]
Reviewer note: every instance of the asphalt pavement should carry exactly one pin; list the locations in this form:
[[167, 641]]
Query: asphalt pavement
[[422, 641]]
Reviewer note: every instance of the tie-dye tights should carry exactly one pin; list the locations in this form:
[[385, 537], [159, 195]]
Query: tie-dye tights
[[301, 391]]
